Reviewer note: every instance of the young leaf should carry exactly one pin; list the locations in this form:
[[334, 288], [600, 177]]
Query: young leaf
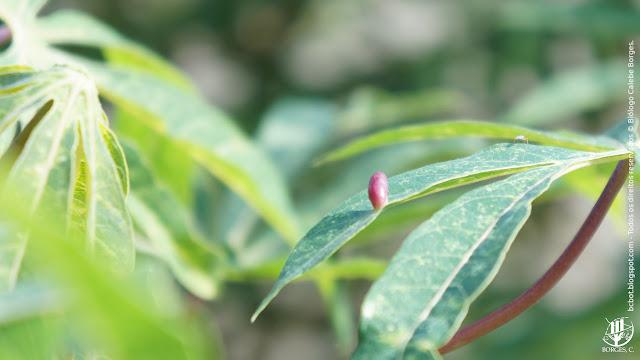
[[466, 128], [70, 166], [160, 101], [356, 213], [423, 296]]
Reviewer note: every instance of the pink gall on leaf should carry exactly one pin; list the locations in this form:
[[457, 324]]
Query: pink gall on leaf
[[378, 190]]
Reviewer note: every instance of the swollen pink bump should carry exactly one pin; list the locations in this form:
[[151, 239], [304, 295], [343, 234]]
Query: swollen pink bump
[[378, 190]]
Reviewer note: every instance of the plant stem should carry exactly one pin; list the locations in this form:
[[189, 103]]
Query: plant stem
[[555, 272]]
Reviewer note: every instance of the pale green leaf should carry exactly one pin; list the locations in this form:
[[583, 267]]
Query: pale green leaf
[[65, 163], [369, 108], [291, 132], [608, 19], [208, 135], [159, 100], [356, 213], [467, 128], [105, 310], [424, 294], [163, 221], [70, 27]]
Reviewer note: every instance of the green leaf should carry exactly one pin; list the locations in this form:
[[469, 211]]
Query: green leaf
[[370, 107], [159, 100], [465, 128], [70, 27], [105, 309], [599, 19], [209, 136], [66, 164], [569, 93], [291, 132], [626, 132], [161, 218], [356, 213], [424, 294]]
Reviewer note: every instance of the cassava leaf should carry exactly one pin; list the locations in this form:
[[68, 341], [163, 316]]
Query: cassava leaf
[[356, 213], [290, 132], [163, 221], [70, 27], [467, 128], [159, 98], [424, 294], [70, 166], [106, 310]]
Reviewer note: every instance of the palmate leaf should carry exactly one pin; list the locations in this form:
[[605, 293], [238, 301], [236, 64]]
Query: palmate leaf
[[468, 128], [146, 86], [425, 292], [68, 166], [356, 213]]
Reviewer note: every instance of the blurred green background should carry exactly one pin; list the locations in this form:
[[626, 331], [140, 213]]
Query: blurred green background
[[303, 77]]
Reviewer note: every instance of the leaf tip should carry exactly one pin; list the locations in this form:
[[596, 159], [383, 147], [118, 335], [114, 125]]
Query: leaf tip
[[263, 305]]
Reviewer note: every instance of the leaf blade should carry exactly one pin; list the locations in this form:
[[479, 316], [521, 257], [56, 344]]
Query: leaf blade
[[463, 128], [50, 174], [398, 311], [350, 217]]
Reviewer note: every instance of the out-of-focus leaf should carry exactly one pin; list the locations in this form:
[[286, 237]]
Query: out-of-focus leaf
[[34, 338], [626, 132], [602, 18], [291, 132], [373, 108], [356, 213], [200, 130], [207, 135], [107, 310], [29, 301], [70, 27], [569, 93], [407, 313], [166, 226], [68, 165], [347, 269], [171, 166], [457, 129]]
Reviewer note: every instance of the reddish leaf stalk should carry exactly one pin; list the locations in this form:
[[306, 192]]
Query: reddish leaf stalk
[[555, 272]]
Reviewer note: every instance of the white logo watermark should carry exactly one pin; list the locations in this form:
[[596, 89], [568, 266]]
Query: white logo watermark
[[618, 334]]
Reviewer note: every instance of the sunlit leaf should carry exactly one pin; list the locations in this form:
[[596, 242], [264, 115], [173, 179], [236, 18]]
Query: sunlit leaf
[[160, 101], [65, 164]]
